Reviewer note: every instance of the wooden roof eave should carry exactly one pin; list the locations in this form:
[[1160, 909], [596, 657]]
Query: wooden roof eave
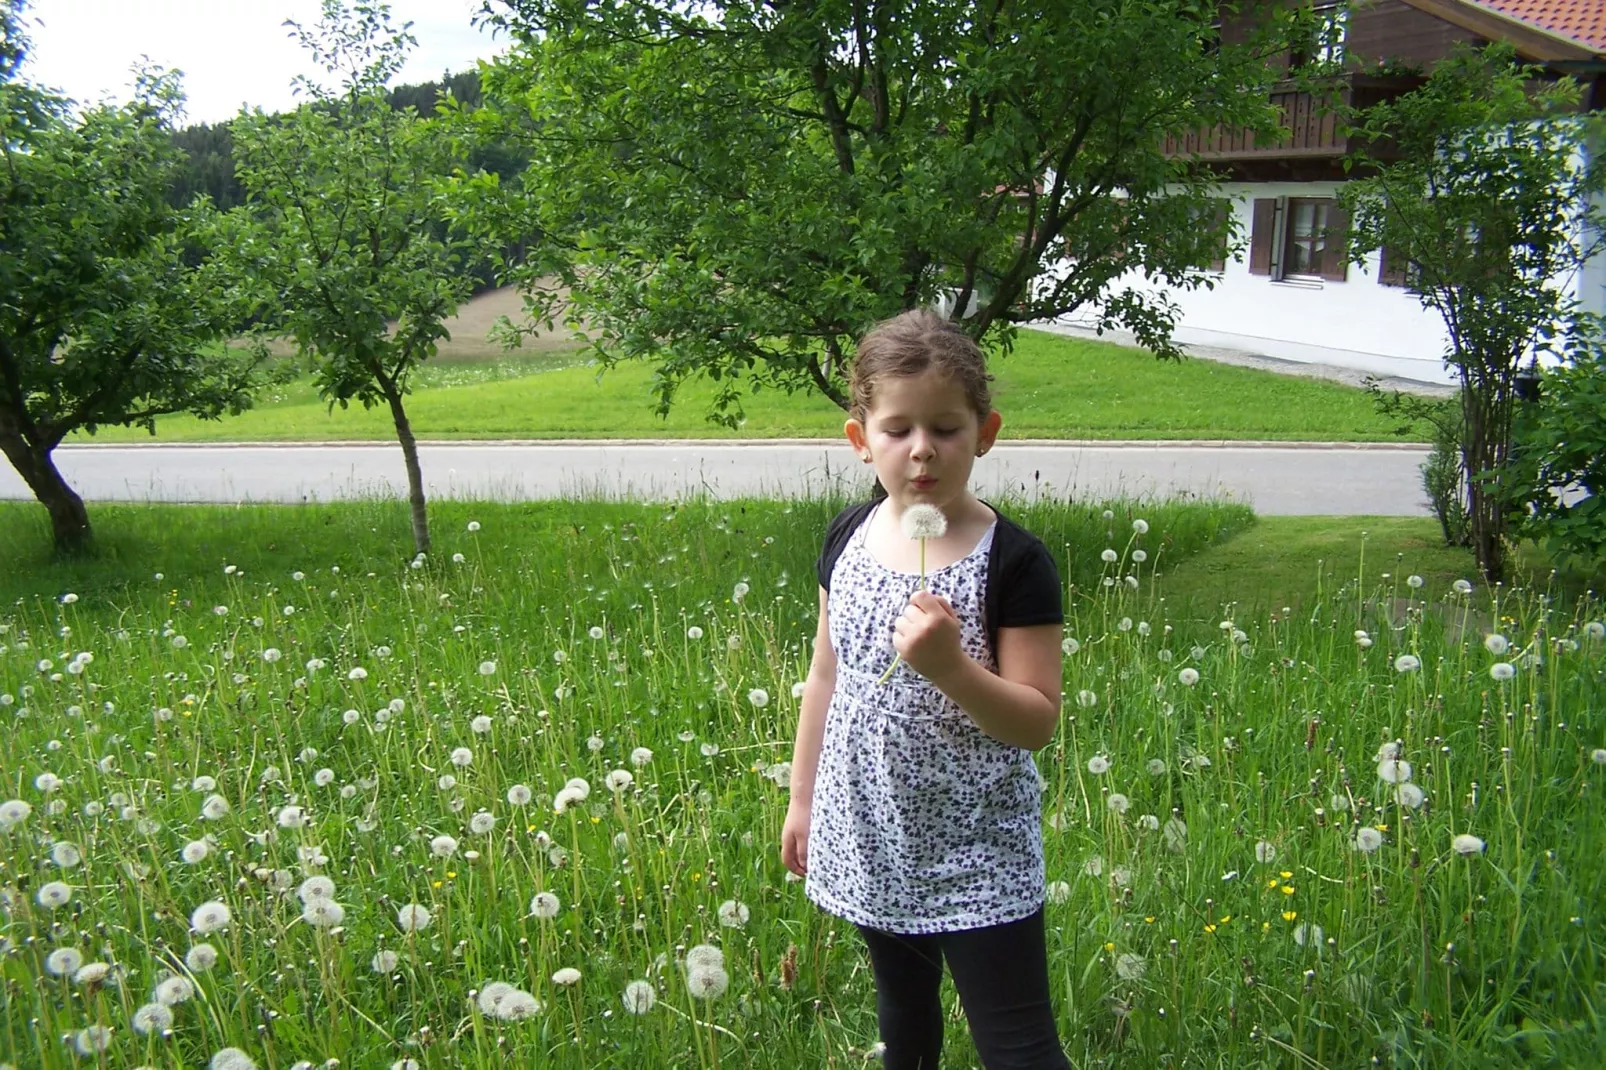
[[1531, 42]]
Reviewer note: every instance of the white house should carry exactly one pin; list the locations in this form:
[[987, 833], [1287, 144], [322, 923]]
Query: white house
[[1288, 294]]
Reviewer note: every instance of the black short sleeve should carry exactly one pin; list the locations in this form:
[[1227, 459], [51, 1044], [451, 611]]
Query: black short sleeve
[[837, 533], [1031, 592]]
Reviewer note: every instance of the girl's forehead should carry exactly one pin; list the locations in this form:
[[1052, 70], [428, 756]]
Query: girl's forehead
[[930, 392]]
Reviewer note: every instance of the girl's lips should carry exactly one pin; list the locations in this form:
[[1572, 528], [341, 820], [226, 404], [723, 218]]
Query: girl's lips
[[925, 481]]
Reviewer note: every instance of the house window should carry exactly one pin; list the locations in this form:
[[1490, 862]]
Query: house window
[[1324, 36], [1298, 237], [1220, 220], [1393, 269]]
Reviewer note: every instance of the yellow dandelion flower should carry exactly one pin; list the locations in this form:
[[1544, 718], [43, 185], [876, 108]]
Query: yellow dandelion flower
[[1265, 926], [1210, 928], [1149, 920], [436, 884], [1225, 918], [1290, 915], [451, 873], [1288, 889], [1285, 874], [1272, 883]]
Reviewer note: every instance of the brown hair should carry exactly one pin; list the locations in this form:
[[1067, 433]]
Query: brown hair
[[914, 342]]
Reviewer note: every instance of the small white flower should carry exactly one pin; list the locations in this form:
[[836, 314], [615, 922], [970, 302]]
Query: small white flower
[[1407, 663], [761, 698], [413, 918], [210, 917], [1098, 765], [733, 914], [462, 757], [923, 521], [47, 782], [544, 905], [739, 592], [324, 777], [519, 795], [200, 958], [272, 654], [619, 780], [708, 982], [1496, 644], [1109, 556], [594, 743], [1466, 844], [1188, 677], [1368, 839], [640, 757], [443, 846], [487, 668], [639, 997], [1502, 670]]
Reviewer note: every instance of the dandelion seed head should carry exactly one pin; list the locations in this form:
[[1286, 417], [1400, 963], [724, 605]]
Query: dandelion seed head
[[567, 976], [1407, 663], [384, 961], [1188, 677], [413, 918], [619, 780], [1130, 967], [639, 997], [544, 905], [200, 958], [1109, 556], [232, 1059], [64, 961], [733, 914], [462, 757], [152, 1018], [520, 795], [707, 982], [1098, 765], [443, 846], [323, 913], [1087, 699], [1409, 796], [1502, 671], [53, 894], [1368, 839], [1118, 803], [640, 757], [1466, 844], [482, 822]]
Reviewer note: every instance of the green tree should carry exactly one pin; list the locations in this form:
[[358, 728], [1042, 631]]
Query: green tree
[[747, 187], [111, 309], [345, 225], [1494, 202]]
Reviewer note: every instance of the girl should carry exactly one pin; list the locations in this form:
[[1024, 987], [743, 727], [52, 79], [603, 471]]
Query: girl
[[914, 804]]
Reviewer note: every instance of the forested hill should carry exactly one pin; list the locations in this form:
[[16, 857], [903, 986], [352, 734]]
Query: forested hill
[[210, 147]]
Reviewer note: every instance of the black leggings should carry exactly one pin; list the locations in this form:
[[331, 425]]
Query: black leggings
[[1001, 973]]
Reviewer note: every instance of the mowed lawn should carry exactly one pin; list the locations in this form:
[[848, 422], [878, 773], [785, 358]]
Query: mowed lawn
[[1048, 387]]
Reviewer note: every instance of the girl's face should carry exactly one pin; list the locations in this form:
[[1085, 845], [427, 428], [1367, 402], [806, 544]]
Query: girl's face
[[922, 436]]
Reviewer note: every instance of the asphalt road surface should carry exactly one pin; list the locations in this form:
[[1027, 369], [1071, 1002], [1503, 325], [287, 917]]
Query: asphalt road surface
[[1276, 479]]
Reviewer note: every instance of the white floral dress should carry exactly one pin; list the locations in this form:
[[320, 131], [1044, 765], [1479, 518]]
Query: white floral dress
[[921, 823]]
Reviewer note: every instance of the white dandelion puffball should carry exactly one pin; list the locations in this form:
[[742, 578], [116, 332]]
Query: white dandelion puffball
[[619, 780], [1188, 677], [565, 798], [1368, 839], [1409, 796], [443, 846], [1098, 765], [708, 982], [491, 997], [1109, 557], [1466, 844], [92, 1040], [171, 991], [1087, 699], [64, 961], [462, 757], [1139, 556], [923, 521], [1069, 646], [1414, 582], [1058, 892], [1130, 967], [480, 725], [1265, 851], [413, 918], [324, 777], [1502, 671], [232, 1059], [758, 697], [1307, 935], [1175, 834], [733, 914], [1462, 587], [357, 673], [384, 961], [195, 851], [473, 526], [595, 743], [740, 591], [1394, 771], [639, 997], [544, 905], [316, 887], [520, 794], [1140, 526], [66, 855], [596, 632], [701, 956], [53, 894], [579, 786], [200, 958], [1595, 630], [1496, 644], [152, 1018], [14, 812], [1598, 755], [291, 817], [487, 668], [323, 913], [566, 977], [1118, 803], [481, 823], [694, 632], [1407, 663], [640, 757], [1155, 766]]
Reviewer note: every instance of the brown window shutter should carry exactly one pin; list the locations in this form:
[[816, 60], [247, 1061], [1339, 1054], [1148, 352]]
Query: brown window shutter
[[1335, 264], [1262, 225], [1392, 268], [1221, 210]]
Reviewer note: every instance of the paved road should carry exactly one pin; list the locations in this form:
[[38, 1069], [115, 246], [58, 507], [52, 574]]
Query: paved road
[[1275, 479]]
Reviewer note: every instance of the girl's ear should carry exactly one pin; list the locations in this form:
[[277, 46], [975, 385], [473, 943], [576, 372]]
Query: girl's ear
[[856, 437], [989, 432]]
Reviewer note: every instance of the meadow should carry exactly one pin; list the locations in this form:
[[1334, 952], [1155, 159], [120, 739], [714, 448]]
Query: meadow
[[276, 795]]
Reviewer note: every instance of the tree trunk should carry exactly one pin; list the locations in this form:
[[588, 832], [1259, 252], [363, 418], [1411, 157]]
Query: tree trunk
[[415, 474], [1487, 430], [69, 520]]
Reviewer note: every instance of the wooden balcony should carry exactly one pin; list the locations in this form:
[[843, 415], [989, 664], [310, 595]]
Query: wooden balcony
[[1310, 131]]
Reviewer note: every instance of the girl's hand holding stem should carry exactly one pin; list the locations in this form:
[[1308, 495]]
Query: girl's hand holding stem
[[926, 635]]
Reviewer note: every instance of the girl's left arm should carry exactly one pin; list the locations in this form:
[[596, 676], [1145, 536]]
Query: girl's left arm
[[1020, 705]]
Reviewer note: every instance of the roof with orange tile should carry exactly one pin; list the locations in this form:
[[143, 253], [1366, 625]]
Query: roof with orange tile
[[1583, 21]]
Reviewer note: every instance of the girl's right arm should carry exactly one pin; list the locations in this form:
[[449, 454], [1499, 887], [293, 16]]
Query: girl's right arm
[[806, 750]]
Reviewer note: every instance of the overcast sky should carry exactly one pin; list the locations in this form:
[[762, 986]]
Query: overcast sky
[[232, 52]]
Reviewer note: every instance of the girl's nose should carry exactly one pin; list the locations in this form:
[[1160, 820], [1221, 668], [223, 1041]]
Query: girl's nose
[[921, 446]]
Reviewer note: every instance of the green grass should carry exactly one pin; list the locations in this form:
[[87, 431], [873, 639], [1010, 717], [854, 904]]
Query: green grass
[[1174, 945], [1049, 387]]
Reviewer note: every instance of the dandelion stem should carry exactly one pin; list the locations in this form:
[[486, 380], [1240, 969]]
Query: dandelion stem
[[920, 585]]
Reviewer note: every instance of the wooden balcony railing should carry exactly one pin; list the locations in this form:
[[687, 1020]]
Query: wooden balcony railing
[[1309, 122]]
